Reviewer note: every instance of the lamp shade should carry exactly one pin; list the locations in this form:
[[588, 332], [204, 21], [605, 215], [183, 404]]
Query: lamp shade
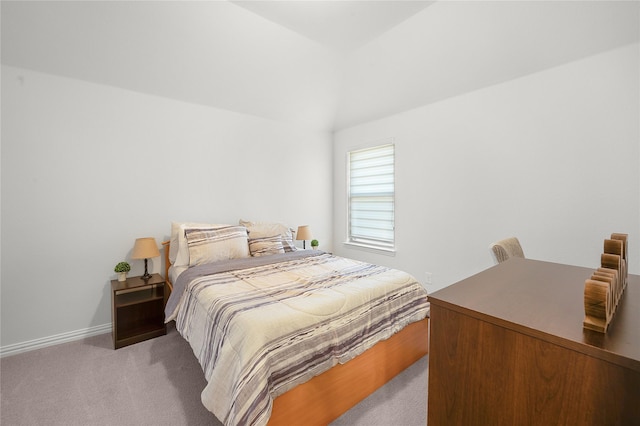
[[145, 248], [304, 233]]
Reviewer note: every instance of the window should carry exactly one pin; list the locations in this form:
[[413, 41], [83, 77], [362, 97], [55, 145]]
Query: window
[[371, 197]]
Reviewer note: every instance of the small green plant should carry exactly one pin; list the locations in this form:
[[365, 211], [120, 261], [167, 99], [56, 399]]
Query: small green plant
[[122, 267], [314, 243]]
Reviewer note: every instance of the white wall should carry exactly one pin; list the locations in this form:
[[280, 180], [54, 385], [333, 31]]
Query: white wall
[[88, 168], [552, 158]]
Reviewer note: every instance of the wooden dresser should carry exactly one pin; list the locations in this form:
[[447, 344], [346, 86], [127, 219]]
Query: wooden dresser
[[507, 347]]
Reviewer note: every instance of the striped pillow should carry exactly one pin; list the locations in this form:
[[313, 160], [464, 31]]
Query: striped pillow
[[267, 229], [215, 244], [178, 240], [266, 246]]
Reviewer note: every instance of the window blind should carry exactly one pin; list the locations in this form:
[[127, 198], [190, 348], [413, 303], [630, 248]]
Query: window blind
[[371, 196]]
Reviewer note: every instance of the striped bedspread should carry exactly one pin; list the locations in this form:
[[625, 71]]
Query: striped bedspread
[[260, 331]]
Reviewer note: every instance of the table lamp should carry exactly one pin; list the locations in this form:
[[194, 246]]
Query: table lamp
[[304, 233], [145, 248]]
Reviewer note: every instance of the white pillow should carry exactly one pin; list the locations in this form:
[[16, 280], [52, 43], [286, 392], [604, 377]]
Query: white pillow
[[175, 234], [266, 246], [215, 244], [182, 256], [270, 229]]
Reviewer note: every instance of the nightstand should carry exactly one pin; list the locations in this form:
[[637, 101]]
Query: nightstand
[[137, 310]]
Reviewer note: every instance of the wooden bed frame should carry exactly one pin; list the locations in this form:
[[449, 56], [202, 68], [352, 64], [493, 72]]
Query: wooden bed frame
[[332, 393]]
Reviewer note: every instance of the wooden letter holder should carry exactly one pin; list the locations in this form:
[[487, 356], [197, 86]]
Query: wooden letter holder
[[603, 290]]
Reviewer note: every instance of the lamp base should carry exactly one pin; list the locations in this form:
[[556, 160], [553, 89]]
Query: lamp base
[[146, 275]]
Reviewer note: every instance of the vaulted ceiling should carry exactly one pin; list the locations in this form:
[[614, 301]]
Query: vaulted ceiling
[[321, 64], [340, 25]]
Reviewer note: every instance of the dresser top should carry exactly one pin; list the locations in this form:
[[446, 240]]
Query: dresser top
[[546, 300]]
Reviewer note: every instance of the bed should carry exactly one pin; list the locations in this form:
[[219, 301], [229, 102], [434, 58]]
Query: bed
[[287, 336]]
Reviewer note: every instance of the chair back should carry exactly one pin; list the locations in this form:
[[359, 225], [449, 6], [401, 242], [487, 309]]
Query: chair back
[[507, 248]]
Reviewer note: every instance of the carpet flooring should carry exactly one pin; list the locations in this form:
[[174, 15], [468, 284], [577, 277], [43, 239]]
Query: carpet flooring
[[157, 382]]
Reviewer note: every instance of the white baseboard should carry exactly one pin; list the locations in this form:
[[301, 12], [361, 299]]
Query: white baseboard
[[56, 339]]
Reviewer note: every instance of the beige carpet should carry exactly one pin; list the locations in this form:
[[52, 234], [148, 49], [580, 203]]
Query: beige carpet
[[157, 382]]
